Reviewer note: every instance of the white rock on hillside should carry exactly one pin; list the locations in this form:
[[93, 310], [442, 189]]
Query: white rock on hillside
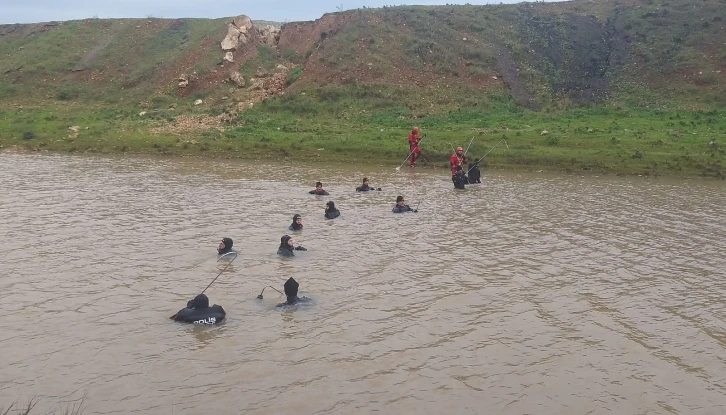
[[239, 31]]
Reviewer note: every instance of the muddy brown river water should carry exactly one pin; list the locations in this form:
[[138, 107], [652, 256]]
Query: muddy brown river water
[[527, 294]]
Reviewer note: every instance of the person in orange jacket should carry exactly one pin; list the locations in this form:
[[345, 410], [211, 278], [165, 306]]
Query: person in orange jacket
[[413, 146], [457, 159]]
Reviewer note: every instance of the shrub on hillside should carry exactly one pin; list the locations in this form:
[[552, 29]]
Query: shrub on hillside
[[63, 96], [293, 75]]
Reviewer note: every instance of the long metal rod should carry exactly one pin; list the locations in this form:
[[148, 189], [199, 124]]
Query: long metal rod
[[490, 150], [220, 272]]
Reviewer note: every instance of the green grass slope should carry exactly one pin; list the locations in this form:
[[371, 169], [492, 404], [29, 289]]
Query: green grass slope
[[623, 86]]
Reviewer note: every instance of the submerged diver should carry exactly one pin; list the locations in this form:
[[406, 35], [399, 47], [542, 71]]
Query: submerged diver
[[225, 246], [319, 190], [291, 287], [296, 223], [401, 206], [331, 212], [474, 173], [198, 311], [459, 178], [365, 187], [287, 246]]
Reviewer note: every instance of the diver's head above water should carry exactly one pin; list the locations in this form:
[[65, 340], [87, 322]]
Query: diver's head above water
[[291, 287], [225, 246], [296, 223], [199, 302], [400, 201], [287, 245], [286, 242]]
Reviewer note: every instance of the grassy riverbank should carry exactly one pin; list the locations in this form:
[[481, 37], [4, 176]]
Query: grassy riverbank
[[605, 140], [616, 87]]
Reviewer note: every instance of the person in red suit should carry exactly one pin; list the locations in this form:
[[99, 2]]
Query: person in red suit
[[413, 146], [457, 159]]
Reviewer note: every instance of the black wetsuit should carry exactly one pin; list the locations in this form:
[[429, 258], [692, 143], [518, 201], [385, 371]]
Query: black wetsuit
[[295, 226], [459, 180], [227, 247], [198, 311], [365, 188], [286, 250], [293, 301], [291, 287], [474, 173], [401, 209], [331, 212], [322, 192]]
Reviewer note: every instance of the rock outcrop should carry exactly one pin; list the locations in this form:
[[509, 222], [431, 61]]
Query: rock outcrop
[[239, 33], [237, 78], [268, 35], [262, 88], [239, 45], [183, 81], [73, 132]]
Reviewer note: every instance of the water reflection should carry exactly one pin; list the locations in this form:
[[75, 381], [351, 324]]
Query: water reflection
[[205, 335]]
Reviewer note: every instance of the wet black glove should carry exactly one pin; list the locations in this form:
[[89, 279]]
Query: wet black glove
[[300, 248], [190, 304]]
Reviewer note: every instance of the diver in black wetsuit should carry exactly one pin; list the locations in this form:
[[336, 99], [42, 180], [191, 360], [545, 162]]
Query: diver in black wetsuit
[[331, 212], [459, 178], [225, 247], [401, 206], [198, 311], [365, 187], [291, 287], [474, 173], [287, 246], [296, 223], [319, 190]]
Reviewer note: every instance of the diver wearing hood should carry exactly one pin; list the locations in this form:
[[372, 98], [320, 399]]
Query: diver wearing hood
[[296, 223], [459, 178], [225, 246], [331, 212], [401, 206], [291, 287], [474, 173], [287, 246], [366, 187], [198, 311]]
